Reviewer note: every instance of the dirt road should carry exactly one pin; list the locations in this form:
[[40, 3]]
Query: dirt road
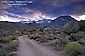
[[31, 48]]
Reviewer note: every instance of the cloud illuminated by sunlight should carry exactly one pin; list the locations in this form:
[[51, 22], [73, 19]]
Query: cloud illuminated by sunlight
[[6, 18], [2, 18], [82, 17]]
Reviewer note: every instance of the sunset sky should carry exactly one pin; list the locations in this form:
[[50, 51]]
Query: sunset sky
[[39, 9]]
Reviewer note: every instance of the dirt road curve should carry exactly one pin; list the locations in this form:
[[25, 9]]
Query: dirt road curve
[[31, 48]]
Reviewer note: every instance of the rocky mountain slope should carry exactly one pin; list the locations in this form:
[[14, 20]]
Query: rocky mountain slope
[[62, 20]]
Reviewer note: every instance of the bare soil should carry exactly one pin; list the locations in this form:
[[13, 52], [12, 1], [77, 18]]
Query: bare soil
[[31, 48]]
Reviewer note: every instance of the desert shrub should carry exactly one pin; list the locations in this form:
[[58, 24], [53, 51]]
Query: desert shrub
[[38, 35], [58, 47], [25, 33], [6, 49], [82, 52], [21, 34], [8, 39], [13, 38], [61, 43], [82, 41], [71, 27], [14, 43], [3, 52], [31, 30], [35, 36], [31, 36], [64, 41], [72, 49], [82, 27], [3, 40], [44, 39], [57, 44], [77, 36]]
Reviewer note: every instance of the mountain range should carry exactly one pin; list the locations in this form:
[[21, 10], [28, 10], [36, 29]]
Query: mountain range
[[58, 21], [44, 21]]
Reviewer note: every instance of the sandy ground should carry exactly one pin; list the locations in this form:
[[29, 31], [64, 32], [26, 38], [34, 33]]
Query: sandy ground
[[31, 48]]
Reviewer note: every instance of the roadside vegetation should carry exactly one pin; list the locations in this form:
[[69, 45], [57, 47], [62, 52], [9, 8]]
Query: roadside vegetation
[[8, 45], [68, 38], [82, 27], [9, 33]]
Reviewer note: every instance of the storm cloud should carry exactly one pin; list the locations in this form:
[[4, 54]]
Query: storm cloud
[[44, 8], [58, 7]]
